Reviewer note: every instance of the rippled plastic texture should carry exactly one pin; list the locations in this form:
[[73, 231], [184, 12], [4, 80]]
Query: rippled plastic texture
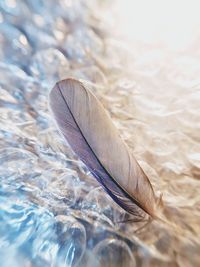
[[52, 211]]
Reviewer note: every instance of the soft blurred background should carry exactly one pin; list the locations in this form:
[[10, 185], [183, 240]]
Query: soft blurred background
[[142, 59]]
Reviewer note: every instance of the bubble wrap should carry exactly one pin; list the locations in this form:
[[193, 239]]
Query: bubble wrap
[[52, 211]]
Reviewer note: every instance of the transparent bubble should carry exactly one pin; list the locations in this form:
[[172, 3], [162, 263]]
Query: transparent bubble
[[14, 12], [112, 252], [92, 74], [15, 46], [49, 65], [38, 6], [79, 44], [98, 201], [72, 239], [44, 38]]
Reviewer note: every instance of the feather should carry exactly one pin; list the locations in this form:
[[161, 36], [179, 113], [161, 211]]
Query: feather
[[89, 131]]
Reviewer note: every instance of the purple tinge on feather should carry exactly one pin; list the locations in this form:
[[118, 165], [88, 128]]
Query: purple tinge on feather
[[67, 106]]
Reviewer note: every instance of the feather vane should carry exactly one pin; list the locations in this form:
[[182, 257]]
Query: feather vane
[[89, 131]]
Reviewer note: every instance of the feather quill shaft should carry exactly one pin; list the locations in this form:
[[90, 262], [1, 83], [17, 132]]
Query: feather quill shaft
[[89, 131]]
